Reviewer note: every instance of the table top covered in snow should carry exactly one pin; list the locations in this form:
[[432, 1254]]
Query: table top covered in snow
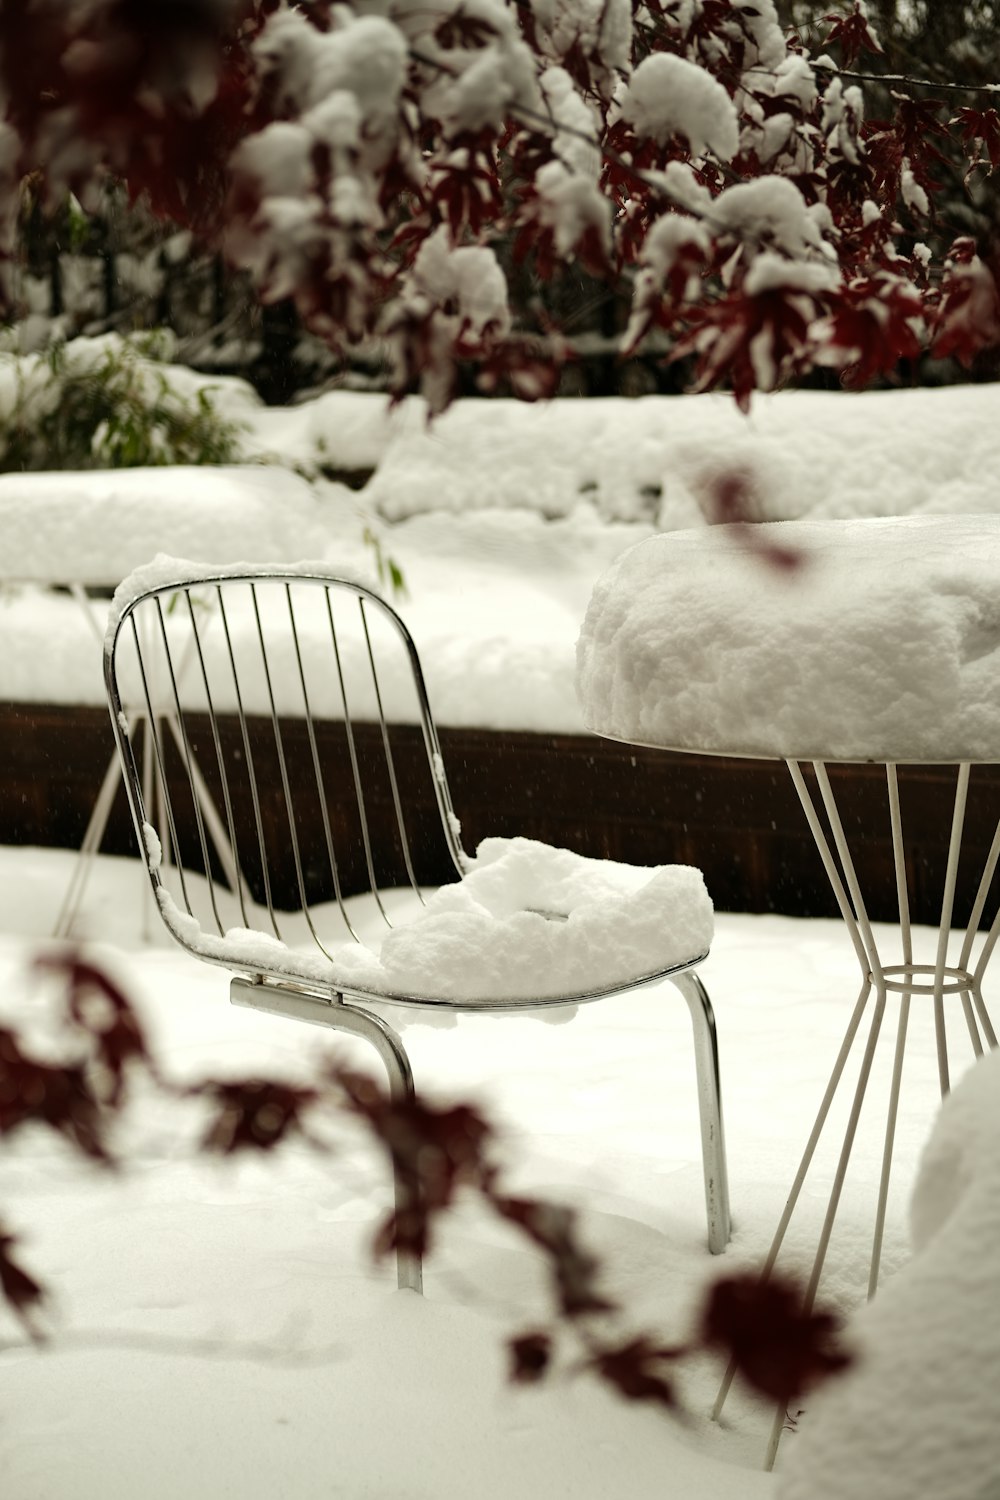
[[861, 639]]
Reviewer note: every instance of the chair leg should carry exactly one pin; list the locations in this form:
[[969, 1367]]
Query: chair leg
[[713, 1140], [337, 1016]]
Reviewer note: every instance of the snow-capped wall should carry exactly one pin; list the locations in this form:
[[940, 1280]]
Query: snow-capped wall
[[802, 453], [95, 527]]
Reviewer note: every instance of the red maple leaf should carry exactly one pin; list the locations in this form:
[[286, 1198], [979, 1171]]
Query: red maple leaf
[[434, 1151], [523, 366], [530, 1356], [980, 132], [874, 323], [574, 1269], [465, 187], [20, 1290], [778, 1346], [52, 1094], [967, 319], [103, 1011], [637, 1369], [752, 341], [254, 1114], [853, 33]]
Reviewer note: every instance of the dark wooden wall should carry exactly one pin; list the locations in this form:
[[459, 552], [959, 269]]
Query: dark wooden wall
[[739, 820]]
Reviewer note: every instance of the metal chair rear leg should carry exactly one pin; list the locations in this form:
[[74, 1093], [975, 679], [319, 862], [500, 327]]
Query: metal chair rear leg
[[337, 1016], [713, 1141]]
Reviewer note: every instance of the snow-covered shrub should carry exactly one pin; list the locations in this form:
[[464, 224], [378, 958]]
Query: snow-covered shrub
[[110, 403]]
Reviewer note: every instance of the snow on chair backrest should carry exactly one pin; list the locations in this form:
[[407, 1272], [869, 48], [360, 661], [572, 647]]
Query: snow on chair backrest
[[278, 747]]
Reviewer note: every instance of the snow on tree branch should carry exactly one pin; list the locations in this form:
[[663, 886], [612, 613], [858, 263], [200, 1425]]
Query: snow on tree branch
[[408, 172]]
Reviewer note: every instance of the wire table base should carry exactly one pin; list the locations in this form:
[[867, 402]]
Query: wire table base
[[955, 977]]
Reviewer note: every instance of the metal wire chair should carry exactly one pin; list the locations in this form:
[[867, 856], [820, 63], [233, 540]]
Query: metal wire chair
[[269, 783]]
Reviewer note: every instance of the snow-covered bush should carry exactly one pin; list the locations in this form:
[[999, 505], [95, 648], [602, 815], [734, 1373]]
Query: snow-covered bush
[[413, 173], [111, 403]]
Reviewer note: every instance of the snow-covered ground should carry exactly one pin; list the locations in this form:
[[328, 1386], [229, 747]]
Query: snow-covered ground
[[222, 1331], [221, 1328]]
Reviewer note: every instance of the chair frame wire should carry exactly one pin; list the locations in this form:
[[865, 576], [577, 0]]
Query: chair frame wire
[[338, 1007]]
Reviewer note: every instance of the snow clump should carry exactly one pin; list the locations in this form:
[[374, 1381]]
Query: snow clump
[[669, 96]]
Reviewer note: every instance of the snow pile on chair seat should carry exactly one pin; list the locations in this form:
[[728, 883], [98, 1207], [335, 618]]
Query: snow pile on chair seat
[[527, 923], [917, 1414], [882, 643], [498, 933]]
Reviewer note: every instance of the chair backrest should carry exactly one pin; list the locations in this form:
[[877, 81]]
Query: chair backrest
[[278, 747]]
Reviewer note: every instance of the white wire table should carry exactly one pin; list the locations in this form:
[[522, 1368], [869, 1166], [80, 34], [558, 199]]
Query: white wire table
[[879, 643], [952, 981]]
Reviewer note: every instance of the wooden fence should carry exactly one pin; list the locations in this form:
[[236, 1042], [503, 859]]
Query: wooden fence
[[739, 820]]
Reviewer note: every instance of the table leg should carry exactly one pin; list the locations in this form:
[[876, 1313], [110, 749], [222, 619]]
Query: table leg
[[907, 979]]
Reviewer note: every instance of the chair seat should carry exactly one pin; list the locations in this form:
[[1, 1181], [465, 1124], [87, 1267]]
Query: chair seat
[[528, 925]]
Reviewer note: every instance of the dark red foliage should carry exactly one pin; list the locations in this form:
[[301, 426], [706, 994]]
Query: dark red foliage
[[434, 1152], [255, 1114], [756, 342], [580, 64], [530, 1357], [731, 500], [637, 1369], [906, 141], [22, 1293], [521, 366], [967, 318], [917, 126], [575, 1271], [980, 130], [102, 1041], [102, 1010], [853, 34], [465, 190], [158, 90], [537, 240], [53, 1094], [779, 1347], [165, 94], [875, 320]]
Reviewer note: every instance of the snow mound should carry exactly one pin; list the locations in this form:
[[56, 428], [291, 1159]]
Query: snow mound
[[528, 923], [95, 527], [883, 643], [917, 1413], [656, 459]]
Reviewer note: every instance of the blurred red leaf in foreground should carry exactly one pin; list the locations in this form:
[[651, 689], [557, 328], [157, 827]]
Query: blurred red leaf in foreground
[[779, 1346]]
